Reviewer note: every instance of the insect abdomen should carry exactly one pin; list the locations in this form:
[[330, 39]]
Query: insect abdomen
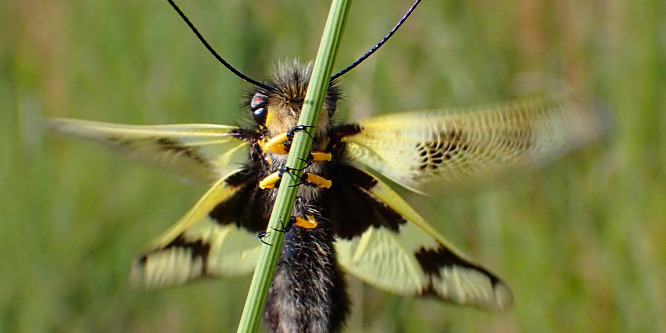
[[308, 292]]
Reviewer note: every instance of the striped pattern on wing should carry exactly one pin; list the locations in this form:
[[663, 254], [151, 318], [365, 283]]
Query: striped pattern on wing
[[201, 152], [443, 149], [416, 260], [198, 246]]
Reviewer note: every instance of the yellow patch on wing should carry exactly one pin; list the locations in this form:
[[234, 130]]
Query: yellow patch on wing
[[198, 246], [416, 260], [202, 152], [429, 150]]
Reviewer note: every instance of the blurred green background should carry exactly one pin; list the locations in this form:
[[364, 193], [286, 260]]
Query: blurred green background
[[580, 242]]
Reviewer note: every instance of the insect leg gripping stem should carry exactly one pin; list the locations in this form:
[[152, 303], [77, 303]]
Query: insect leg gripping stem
[[276, 144], [285, 228]]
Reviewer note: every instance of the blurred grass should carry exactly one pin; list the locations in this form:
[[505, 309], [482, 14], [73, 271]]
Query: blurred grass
[[581, 242]]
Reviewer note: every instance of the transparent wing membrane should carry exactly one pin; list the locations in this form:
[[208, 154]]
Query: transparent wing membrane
[[429, 150], [201, 152]]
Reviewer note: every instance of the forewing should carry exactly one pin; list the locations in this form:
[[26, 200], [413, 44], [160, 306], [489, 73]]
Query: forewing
[[447, 149], [199, 246], [416, 260], [201, 152]]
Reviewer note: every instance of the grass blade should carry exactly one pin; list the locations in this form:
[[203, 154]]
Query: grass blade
[[300, 149]]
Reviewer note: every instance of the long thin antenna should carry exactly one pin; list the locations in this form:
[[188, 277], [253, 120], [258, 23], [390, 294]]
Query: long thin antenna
[[214, 53], [376, 47]]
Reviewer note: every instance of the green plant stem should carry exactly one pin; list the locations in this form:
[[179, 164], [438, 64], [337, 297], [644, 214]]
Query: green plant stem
[[300, 148]]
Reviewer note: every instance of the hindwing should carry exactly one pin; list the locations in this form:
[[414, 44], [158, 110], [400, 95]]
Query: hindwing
[[199, 245], [411, 258]]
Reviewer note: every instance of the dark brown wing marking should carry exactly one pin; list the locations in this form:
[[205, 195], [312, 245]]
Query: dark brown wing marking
[[249, 207], [173, 146], [199, 251], [444, 147], [349, 206], [433, 261]]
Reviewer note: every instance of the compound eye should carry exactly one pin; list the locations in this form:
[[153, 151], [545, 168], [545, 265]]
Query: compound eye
[[257, 101], [259, 115], [258, 107]]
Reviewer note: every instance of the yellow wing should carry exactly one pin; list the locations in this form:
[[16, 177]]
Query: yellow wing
[[199, 246], [416, 260], [442, 149], [201, 152]]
